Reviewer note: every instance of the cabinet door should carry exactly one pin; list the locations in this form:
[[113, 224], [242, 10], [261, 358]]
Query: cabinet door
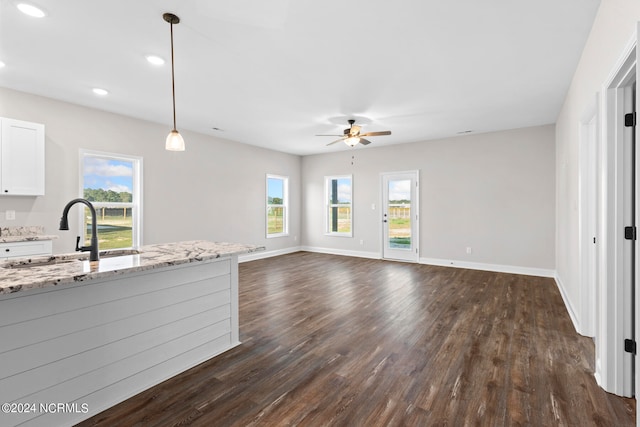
[[21, 158]]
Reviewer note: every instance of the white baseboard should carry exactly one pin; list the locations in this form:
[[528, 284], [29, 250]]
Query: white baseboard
[[513, 269], [358, 254], [529, 271], [597, 374], [568, 305], [267, 254]]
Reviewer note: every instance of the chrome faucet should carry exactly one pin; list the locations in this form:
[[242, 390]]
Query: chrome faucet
[[64, 225]]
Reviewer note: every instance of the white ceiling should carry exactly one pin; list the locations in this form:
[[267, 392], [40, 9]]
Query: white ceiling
[[274, 73]]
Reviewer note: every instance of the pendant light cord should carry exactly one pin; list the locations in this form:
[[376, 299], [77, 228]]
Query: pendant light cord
[[173, 84]]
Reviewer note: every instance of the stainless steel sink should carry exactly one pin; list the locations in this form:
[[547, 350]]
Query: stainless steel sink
[[116, 252]]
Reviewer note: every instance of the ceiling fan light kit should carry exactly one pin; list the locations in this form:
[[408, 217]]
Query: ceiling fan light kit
[[353, 137], [352, 141]]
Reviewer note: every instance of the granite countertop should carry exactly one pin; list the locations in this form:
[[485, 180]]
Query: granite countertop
[[24, 234], [24, 273], [13, 239]]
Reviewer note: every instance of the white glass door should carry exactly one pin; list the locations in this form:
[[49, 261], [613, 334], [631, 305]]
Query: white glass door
[[400, 216]]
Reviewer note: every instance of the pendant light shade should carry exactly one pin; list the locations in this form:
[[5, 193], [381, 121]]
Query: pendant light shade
[[174, 140]]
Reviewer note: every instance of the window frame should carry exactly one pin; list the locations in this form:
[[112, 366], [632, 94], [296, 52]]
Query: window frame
[[328, 205], [136, 199], [284, 205]]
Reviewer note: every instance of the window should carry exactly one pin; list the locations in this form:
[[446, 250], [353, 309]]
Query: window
[[338, 192], [112, 183], [277, 206]]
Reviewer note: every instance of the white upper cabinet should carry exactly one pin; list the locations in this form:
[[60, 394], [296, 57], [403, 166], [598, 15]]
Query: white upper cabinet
[[21, 158]]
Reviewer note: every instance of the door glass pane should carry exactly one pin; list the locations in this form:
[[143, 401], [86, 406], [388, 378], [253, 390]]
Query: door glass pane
[[399, 209]]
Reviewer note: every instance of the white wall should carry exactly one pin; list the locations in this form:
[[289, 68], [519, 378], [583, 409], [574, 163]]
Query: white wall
[[613, 27], [215, 190], [494, 192]]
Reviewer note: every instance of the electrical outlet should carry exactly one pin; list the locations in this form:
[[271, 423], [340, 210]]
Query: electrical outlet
[[362, 242], [10, 215], [468, 249]]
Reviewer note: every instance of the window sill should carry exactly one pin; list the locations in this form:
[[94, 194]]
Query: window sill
[[339, 234], [270, 236]]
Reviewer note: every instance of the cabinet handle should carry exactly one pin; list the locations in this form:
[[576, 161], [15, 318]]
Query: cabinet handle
[[7, 250], [6, 191]]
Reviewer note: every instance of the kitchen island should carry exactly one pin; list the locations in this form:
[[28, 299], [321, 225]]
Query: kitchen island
[[77, 337]]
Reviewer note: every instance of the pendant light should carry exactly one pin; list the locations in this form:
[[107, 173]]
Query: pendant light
[[174, 139]]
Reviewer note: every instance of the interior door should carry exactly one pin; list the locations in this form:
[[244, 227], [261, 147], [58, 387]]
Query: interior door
[[400, 216]]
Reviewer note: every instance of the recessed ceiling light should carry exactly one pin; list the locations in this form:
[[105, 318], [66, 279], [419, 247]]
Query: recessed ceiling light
[[31, 10], [99, 91], [155, 60]]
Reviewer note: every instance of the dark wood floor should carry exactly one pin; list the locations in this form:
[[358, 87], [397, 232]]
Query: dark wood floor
[[331, 340]]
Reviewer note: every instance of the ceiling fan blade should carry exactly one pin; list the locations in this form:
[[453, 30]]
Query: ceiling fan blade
[[333, 142], [355, 130], [384, 132], [364, 141]]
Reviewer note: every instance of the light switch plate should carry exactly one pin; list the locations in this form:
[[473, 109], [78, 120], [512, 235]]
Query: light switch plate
[[10, 215]]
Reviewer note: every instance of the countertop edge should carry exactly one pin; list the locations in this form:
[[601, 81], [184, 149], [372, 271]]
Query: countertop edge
[[152, 257], [34, 238]]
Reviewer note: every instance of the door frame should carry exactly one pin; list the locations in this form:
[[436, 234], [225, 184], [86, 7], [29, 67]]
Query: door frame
[[611, 370], [415, 208]]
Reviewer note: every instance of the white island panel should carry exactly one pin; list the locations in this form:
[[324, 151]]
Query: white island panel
[[96, 343]]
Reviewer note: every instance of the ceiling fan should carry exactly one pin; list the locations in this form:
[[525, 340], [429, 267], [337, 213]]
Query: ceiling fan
[[352, 135]]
